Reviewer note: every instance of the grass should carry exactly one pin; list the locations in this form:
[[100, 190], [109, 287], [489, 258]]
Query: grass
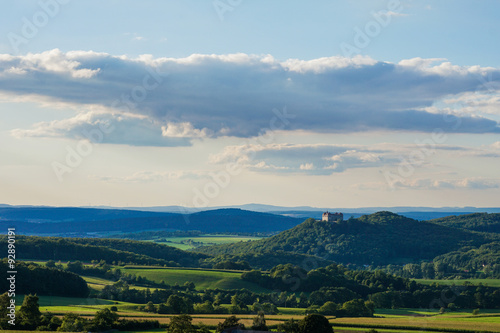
[[387, 318], [203, 279], [99, 283], [183, 242], [488, 282]]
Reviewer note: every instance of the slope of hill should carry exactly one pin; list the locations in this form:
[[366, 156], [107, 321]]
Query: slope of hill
[[486, 256], [482, 222], [268, 260], [87, 249], [381, 238], [40, 280], [220, 220], [68, 214]]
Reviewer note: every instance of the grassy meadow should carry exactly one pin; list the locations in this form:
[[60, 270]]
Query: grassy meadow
[[385, 320], [203, 279], [191, 242]]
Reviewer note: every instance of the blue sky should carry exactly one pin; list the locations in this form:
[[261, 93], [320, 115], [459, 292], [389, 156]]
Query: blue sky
[[208, 103]]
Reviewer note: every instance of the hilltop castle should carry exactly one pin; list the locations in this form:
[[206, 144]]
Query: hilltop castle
[[332, 217]]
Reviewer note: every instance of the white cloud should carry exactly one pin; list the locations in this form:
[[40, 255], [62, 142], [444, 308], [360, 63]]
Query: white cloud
[[184, 130], [451, 184], [234, 94], [104, 127], [326, 159], [56, 62], [306, 166], [317, 159]]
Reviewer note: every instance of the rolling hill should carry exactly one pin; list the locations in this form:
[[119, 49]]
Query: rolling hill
[[380, 239], [482, 222], [110, 250], [220, 220]]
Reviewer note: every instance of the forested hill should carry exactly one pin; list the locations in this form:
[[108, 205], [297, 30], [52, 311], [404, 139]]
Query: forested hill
[[69, 214], [219, 220], [483, 222], [486, 257], [110, 250], [381, 238], [33, 278]]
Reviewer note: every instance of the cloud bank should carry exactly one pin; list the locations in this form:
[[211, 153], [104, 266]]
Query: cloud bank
[[170, 101]]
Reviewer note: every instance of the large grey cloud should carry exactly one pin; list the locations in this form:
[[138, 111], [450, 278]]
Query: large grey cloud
[[214, 95]]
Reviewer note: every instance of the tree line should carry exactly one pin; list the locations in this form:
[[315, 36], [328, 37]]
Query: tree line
[[44, 280]]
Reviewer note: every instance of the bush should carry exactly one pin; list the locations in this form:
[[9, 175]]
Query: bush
[[315, 323]]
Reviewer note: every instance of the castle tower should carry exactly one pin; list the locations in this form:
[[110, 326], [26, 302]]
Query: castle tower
[[332, 217]]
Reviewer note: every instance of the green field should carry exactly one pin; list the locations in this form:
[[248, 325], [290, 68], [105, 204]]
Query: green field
[[486, 282], [187, 243], [203, 279], [99, 283], [385, 320]]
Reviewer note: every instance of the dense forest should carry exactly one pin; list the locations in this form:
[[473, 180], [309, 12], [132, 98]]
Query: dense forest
[[33, 278], [483, 222], [486, 258], [110, 250], [377, 239]]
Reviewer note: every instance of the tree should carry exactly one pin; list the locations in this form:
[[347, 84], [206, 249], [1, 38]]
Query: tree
[[189, 285], [289, 326], [163, 308], [72, 322], [179, 304], [259, 322], [315, 323], [75, 267], [205, 307], [181, 324], [50, 264], [328, 309], [228, 323], [29, 313], [358, 308], [4, 303], [150, 307], [49, 322], [104, 319]]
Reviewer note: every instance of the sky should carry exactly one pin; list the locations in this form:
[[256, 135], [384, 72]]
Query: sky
[[225, 102]]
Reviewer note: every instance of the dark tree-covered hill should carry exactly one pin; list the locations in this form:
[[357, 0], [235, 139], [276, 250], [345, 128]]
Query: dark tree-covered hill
[[381, 238], [87, 249], [34, 279], [482, 222], [219, 220]]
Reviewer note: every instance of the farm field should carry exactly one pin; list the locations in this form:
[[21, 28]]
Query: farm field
[[203, 279], [486, 282], [99, 283], [450, 322], [385, 320], [191, 242]]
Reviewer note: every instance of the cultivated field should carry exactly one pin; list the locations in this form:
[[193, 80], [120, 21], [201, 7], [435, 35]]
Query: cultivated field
[[187, 243], [202, 278], [385, 320]]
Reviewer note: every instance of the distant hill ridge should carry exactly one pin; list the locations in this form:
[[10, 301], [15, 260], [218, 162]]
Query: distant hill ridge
[[220, 220]]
